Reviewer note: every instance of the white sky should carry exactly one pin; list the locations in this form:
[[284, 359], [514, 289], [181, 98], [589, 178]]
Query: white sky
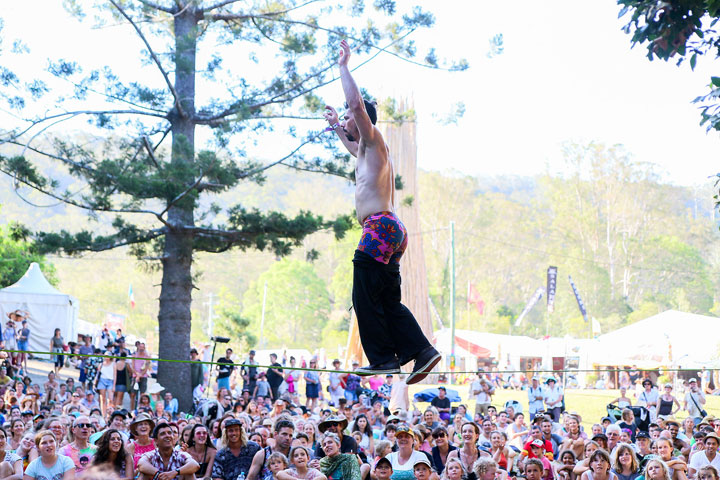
[[567, 74]]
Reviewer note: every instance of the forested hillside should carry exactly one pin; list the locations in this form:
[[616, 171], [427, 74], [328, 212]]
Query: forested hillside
[[633, 245]]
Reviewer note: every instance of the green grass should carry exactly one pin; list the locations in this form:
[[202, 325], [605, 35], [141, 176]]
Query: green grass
[[590, 404]]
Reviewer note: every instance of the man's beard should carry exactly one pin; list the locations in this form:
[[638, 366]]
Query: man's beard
[[348, 136]]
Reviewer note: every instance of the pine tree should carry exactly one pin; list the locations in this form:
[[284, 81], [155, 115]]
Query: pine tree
[[145, 164]]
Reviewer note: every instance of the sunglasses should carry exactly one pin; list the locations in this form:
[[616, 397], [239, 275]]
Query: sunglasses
[[333, 424], [83, 425]]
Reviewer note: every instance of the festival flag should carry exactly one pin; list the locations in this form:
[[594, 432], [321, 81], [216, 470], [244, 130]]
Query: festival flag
[[580, 303], [551, 284], [131, 297], [474, 299], [535, 298]]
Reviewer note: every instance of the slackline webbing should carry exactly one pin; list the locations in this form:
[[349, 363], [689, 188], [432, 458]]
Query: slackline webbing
[[326, 370]]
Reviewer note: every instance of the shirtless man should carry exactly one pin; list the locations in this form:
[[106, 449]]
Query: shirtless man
[[389, 333]]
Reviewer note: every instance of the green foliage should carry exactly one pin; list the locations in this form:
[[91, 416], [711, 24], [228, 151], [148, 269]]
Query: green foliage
[[683, 30], [297, 305], [634, 247], [17, 252]]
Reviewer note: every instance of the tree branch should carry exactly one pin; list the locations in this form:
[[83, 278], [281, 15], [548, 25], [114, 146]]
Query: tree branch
[[219, 5], [110, 244], [77, 204], [35, 123], [183, 193], [150, 151], [154, 57], [156, 6], [272, 164], [233, 16]]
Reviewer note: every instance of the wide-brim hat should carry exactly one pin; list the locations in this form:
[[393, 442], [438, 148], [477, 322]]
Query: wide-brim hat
[[550, 379], [154, 387], [322, 426], [143, 417], [672, 421]]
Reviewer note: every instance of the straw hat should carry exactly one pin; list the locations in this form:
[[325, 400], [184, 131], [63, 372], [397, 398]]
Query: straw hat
[[322, 426], [143, 417]]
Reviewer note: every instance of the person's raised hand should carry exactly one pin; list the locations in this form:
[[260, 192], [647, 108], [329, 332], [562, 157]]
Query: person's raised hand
[[344, 53], [331, 115]]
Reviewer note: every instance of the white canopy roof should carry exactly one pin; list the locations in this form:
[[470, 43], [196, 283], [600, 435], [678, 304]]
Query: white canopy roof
[[668, 338], [48, 307]]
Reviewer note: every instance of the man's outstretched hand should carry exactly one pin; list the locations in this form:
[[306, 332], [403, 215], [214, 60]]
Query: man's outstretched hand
[[344, 54], [331, 115]]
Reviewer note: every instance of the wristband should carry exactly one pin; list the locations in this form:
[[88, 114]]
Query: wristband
[[157, 474], [331, 127]]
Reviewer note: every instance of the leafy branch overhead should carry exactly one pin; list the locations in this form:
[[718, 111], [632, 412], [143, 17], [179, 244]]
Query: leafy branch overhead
[[137, 164], [681, 30]]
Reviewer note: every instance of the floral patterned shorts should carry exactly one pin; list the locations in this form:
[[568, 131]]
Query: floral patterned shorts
[[383, 237]]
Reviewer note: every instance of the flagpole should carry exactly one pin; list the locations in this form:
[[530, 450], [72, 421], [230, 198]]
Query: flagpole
[[452, 297]]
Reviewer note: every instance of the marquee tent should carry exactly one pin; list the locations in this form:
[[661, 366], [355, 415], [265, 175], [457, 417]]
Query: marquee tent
[[670, 338], [49, 308]]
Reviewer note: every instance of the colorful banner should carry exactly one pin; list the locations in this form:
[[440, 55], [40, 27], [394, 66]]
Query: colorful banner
[[535, 298], [551, 285], [580, 303]]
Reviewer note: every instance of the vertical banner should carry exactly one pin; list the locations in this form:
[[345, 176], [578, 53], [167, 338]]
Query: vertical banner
[[551, 284], [580, 303], [535, 298], [474, 298]]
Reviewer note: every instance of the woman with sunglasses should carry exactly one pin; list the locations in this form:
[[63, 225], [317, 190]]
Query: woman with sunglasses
[[201, 450], [442, 448]]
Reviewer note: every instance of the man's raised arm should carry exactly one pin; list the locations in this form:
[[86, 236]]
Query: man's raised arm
[[332, 118], [352, 96]]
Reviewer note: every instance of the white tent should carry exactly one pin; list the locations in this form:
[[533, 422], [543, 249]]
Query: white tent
[[670, 338], [49, 309]]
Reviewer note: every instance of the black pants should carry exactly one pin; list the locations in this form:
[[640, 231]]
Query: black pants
[[388, 330]]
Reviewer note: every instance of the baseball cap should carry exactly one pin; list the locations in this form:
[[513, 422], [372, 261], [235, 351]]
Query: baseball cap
[[606, 418], [233, 421], [693, 380], [640, 435], [442, 388], [538, 443], [383, 460], [252, 352], [422, 461], [403, 428]]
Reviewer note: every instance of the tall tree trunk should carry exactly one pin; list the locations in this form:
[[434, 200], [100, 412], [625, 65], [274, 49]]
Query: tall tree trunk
[[174, 317]]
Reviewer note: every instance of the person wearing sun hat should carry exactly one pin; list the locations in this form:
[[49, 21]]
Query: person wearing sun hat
[[403, 460], [707, 456], [336, 424], [422, 468], [694, 402], [649, 398], [553, 397], [141, 427], [383, 469]]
